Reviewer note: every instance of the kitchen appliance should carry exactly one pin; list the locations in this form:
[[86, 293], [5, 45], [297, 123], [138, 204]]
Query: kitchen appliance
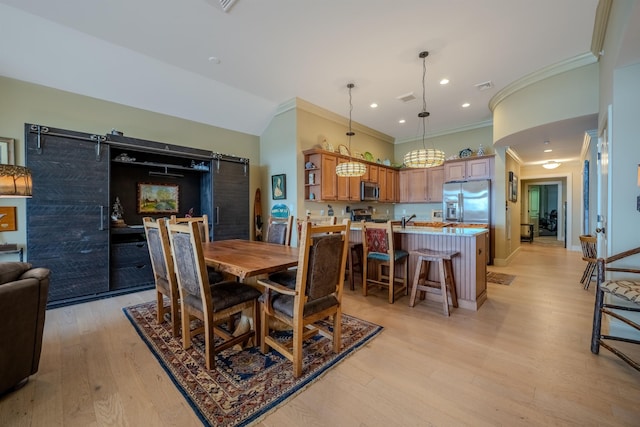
[[369, 191], [358, 215], [467, 202]]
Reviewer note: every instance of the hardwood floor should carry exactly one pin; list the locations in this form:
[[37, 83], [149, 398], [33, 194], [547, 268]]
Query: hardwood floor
[[522, 359]]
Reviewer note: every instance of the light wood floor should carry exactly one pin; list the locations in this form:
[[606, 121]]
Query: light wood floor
[[522, 359]]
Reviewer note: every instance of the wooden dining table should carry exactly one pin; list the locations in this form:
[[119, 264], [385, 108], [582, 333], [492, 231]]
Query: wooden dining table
[[246, 258]]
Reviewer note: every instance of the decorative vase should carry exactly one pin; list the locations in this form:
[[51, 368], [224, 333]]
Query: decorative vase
[[481, 150]]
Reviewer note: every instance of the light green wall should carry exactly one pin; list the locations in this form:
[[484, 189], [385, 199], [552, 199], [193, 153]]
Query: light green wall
[[22, 103], [564, 96]]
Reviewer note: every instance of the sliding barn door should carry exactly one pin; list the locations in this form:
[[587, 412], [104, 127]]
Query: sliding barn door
[[68, 216], [230, 199]]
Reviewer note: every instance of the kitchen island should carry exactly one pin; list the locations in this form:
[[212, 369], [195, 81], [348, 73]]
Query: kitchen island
[[469, 267]]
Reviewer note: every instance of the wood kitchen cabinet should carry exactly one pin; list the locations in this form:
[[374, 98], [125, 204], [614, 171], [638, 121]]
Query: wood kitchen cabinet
[[348, 187], [423, 185], [321, 181], [467, 169], [387, 182]]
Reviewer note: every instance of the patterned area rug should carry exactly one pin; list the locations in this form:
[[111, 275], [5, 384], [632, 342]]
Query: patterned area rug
[[500, 278], [246, 384]]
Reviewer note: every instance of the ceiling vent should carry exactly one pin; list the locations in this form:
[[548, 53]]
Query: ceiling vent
[[226, 4], [406, 97], [484, 85]]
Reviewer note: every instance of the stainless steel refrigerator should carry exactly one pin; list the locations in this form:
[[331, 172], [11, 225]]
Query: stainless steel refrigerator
[[467, 202]]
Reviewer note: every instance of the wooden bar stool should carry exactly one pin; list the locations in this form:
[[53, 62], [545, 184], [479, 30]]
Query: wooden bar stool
[[354, 262], [445, 271]]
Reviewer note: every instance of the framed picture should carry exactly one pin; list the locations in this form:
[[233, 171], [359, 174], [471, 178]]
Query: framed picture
[[6, 150], [158, 198], [279, 187], [8, 218], [513, 187]]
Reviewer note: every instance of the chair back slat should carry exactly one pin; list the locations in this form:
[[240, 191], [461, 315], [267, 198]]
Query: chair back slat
[[588, 244], [202, 221]]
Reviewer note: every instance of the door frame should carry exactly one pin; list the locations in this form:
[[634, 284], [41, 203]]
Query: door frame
[[536, 180]]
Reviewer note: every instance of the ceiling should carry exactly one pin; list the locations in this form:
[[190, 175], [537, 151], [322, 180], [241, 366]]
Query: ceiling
[[193, 60]]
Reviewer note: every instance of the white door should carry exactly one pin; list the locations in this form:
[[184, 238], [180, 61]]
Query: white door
[[603, 186]]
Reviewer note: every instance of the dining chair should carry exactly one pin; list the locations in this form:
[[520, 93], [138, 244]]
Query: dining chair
[[622, 304], [316, 295], [203, 223], [163, 271], [589, 254], [379, 252], [279, 230], [215, 304]]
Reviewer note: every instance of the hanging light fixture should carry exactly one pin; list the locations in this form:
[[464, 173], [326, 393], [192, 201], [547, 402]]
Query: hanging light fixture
[[551, 164], [424, 157], [350, 168], [15, 181]]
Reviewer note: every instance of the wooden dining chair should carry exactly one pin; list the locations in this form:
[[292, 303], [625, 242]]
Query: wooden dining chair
[[279, 230], [163, 271], [316, 294], [203, 222], [214, 304], [589, 255], [378, 248]]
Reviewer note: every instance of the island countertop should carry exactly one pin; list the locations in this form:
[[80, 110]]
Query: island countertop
[[470, 266], [440, 231]]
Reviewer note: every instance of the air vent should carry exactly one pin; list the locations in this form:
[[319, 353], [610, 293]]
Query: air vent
[[406, 97], [484, 85], [226, 4]]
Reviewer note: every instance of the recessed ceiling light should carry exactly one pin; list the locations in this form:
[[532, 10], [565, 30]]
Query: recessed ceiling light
[[402, 121], [466, 105], [373, 105], [548, 150], [444, 81], [214, 59]]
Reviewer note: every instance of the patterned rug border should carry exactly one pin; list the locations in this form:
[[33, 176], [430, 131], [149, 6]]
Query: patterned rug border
[[302, 383]]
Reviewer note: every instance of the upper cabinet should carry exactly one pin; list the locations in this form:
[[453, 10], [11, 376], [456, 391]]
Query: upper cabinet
[[421, 185], [468, 169], [322, 184]]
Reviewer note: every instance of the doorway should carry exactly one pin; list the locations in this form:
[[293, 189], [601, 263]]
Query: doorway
[[543, 207]]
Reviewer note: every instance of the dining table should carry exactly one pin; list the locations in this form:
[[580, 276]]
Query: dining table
[[248, 258]]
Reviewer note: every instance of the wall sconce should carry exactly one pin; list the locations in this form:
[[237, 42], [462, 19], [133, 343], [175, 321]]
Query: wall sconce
[[15, 181]]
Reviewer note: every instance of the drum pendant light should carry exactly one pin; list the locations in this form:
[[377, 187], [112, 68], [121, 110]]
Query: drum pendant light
[[424, 157], [350, 168]]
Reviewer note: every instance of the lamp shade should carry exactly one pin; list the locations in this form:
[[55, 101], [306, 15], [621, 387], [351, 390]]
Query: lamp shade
[[15, 181], [424, 158], [351, 169]]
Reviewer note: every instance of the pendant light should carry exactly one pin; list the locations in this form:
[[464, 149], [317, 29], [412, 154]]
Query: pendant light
[[350, 168], [424, 157]]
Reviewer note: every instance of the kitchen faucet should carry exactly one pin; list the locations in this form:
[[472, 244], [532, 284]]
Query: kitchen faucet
[[405, 220]]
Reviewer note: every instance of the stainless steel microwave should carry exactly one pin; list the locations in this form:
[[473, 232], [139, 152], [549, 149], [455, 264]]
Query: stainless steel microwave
[[369, 191]]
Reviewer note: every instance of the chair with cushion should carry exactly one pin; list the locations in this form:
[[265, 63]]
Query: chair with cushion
[[203, 223], [215, 304], [163, 272], [379, 249], [589, 254], [316, 294], [622, 303], [23, 301], [279, 230]]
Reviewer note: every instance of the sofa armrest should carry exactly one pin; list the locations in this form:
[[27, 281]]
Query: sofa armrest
[[38, 273], [10, 271]]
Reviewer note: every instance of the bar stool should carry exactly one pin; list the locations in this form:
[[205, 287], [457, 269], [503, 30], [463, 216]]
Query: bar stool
[[354, 262], [445, 271]]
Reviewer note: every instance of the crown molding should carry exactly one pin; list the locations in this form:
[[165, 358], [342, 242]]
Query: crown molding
[[510, 151], [301, 104], [589, 136], [550, 71], [471, 126], [600, 27]]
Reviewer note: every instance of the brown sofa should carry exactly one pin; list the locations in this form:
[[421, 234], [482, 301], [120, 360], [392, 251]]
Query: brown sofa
[[23, 300]]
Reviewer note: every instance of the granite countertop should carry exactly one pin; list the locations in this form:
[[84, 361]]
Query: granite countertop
[[448, 231]]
